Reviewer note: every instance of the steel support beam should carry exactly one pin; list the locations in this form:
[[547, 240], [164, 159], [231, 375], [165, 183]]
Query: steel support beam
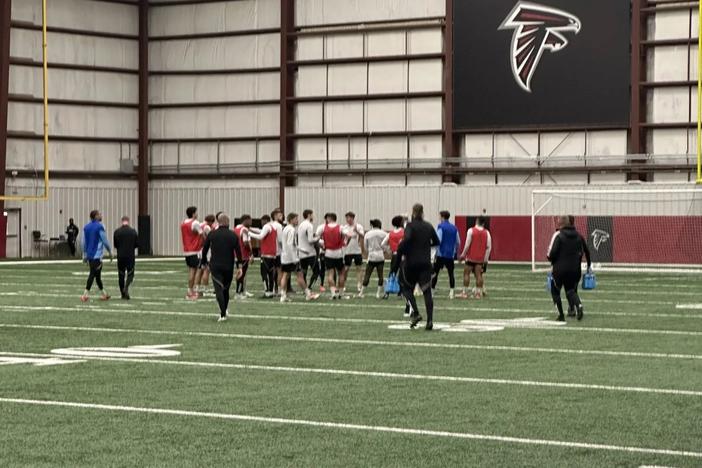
[[450, 148], [637, 134], [143, 171], [5, 19], [287, 91]]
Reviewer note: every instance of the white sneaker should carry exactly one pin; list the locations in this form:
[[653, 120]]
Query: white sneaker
[[380, 292], [269, 294], [361, 295], [452, 295], [223, 319], [248, 294], [312, 297], [284, 299]]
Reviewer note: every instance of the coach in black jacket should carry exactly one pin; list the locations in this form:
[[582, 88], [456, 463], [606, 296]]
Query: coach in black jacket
[[126, 241], [416, 267], [226, 253], [566, 255]]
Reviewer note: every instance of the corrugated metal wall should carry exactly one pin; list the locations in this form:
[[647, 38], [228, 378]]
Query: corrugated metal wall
[[51, 218], [169, 201], [386, 202]]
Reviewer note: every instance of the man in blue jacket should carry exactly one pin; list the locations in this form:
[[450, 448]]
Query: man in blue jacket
[[449, 244], [94, 243]]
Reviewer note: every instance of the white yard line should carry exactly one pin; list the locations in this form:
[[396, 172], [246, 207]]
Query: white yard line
[[356, 427], [304, 339], [242, 306], [382, 375]]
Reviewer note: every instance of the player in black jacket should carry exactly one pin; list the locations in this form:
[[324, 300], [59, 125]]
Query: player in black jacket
[[226, 253], [416, 267], [126, 241], [565, 255]]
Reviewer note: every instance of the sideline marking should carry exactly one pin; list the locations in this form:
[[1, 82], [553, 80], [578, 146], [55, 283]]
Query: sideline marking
[[356, 427], [408, 344], [386, 375]]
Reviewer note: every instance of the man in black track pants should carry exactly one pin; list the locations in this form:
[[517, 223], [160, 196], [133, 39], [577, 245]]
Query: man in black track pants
[[416, 268], [226, 253], [566, 255], [126, 241]]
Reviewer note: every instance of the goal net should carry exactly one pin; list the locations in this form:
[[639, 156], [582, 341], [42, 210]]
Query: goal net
[[628, 230]]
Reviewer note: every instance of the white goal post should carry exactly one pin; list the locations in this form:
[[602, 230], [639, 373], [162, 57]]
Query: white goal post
[[626, 229]]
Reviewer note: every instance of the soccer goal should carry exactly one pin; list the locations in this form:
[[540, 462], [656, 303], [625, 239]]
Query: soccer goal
[[626, 230]]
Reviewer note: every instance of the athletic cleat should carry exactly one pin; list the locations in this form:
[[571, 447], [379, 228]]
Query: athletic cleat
[[223, 318], [248, 294], [430, 326], [312, 297], [84, 298], [361, 295], [560, 318], [322, 289], [581, 311], [105, 297], [269, 295], [386, 296], [284, 299], [414, 321], [125, 296], [571, 312], [452, 294]]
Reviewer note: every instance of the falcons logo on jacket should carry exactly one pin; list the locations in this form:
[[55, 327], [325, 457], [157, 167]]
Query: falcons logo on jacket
[[536, 28]]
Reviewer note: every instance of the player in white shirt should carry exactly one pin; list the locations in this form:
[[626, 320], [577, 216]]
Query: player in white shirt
[[277, 218], [204, 280], [306, 245], [373, 242], [353, 253], [290, 260]]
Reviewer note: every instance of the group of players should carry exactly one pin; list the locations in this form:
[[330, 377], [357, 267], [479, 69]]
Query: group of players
[[291, 248]]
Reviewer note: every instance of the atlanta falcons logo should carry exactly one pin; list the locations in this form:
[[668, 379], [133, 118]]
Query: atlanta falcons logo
[[536, 28], [599, 237]]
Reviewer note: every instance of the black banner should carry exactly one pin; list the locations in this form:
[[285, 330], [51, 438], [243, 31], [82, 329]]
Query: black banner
[[600, 240], [547, 62]]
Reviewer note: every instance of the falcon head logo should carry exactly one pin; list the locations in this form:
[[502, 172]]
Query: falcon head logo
[[536, 28], [599, 237]]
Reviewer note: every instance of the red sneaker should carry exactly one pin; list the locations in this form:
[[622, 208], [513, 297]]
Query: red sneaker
[[84, 298], [322, 289], [105, 297]]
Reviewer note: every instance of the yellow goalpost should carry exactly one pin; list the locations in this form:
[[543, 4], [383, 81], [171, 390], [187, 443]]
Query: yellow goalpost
[[45, 195]]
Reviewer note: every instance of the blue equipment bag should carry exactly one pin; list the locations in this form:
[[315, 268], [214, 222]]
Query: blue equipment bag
[[549, 282], [589, 281], [392, 285]]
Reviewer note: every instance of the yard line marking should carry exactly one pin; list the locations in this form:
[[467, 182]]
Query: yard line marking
[[385, 375], [356, 427], [205, 314], [540, 313], [688, 306], [305, 339]]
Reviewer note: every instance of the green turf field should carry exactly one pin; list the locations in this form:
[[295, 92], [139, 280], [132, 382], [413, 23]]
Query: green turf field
[[332, 384]]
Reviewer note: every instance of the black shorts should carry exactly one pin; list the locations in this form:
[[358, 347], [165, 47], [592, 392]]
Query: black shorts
[[307, 263], [356, 259], [278, 263], [193, 261], [334, 263], [412, 275], [291, 267]]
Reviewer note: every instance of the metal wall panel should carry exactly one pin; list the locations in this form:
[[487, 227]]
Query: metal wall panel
[[76, 201], [169, 200], [386, 202]]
